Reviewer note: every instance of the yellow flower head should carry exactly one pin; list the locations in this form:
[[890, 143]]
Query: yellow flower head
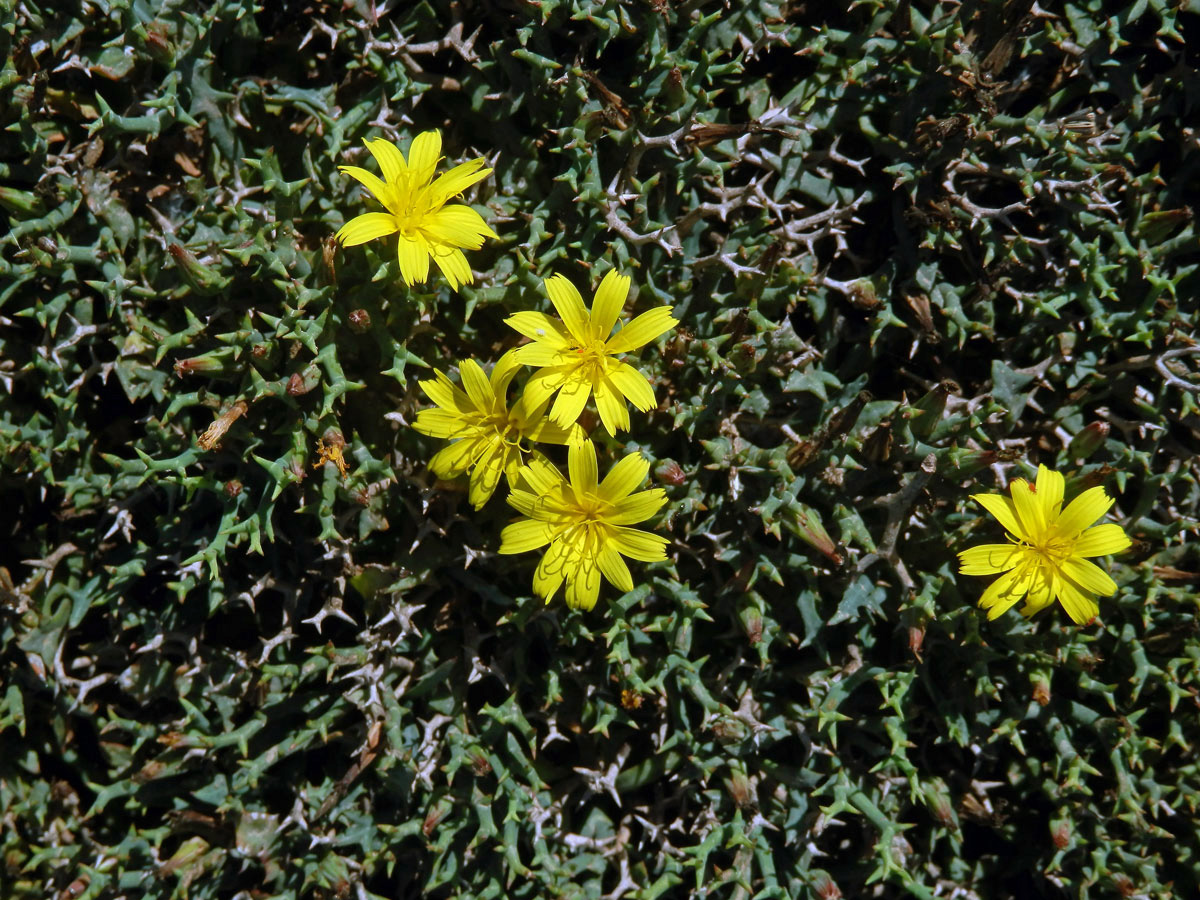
[[585, 524], [577, 356], [1047, 557], [416, 207], [487, 434]]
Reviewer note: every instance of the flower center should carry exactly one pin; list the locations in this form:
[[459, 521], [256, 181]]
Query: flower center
[[409, 208], [503, 427], [591, 359], [1052, 547]]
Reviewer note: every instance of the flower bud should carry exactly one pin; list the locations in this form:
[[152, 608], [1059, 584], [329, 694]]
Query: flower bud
[[1089, 440], [215, 362], [205, 279], [804, 522], [302, 382], [669, 472]]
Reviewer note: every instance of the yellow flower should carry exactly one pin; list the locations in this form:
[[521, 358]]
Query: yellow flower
[[1047, 557], [416, 207], [585, 524], [577, 356], [487, 434]]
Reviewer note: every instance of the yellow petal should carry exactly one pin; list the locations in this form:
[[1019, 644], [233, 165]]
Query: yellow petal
[[486, 475], [456, 226], [542, 383], [1041, 591], [439, 423], [642, 330], [1002, 508], [634, 385], [550, 571], [1030, 512], [1088, 576], [623, 478], [390, 159], [637, 507], [540, 328], [608, 302], [541, 354], [611, 406], [442, 391], [570, 308], [989, 559], [1005, 591], [541, 476], [453, 266], [424, 154], [581, 464], [455, 459], [614, 568], [583, 585], [571, 399], [524, 535], [1050, 486], [502, 373], [379, 190], [638, 544], [457, 180], [476, 385], [541, 430], [520, 500], [1083, 511], [1102, 540], [1080, 606], [413, 256], [365, 228]]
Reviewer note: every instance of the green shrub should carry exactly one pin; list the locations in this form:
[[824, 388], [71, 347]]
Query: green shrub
[[915, 250]]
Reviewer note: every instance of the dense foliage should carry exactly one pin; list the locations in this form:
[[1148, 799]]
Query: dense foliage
[[915, 249]]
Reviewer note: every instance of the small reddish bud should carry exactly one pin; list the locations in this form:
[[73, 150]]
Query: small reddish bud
[[233, 487], [1060, 832], [669, 472], [825, 887], [360, 320]]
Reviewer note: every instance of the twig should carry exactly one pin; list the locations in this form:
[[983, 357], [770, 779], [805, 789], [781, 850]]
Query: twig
[[899, 506]]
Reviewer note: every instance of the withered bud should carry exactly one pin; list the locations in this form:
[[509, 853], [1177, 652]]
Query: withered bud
[[213, 434], [360, 320], [233, 487], [878, 445], [916, 638], [923, 310], [741, 789], [435, 815], [1041, 688]]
